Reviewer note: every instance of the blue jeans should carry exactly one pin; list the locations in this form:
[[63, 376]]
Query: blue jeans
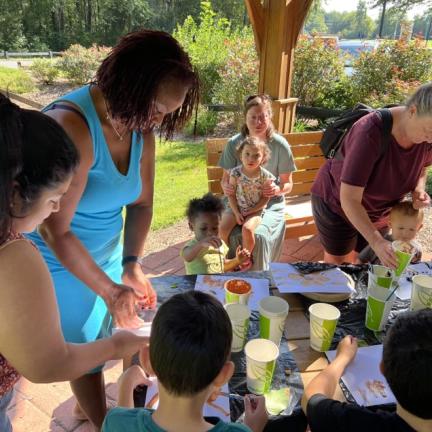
[[5, 424]]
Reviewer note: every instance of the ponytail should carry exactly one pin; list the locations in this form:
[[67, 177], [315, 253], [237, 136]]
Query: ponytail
[[35, 153], [10, 159]]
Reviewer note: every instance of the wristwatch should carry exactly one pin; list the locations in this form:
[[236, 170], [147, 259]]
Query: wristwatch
[[132, 259]]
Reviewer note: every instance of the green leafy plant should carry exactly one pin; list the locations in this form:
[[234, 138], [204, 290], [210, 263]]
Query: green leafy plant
[[45, 70], [391, 72], [205, 42], [79, 64], [318, 67], [239, 74], [206, 122]]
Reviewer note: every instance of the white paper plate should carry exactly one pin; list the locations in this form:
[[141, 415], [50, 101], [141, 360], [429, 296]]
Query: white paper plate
[[332, 297], [140, 331]]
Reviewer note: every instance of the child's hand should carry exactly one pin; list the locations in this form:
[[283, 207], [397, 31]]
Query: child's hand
[[256, 415], [347, 349], [211, 241], [133, 377], [242, 254], [239, 218], [270, 189]]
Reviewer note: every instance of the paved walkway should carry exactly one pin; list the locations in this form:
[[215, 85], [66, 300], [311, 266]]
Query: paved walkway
[[48, 407]]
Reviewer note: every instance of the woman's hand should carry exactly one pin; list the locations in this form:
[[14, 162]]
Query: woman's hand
[[270, 189], [385, 253], [228, 189], [134, 277], [239, 218], [121, 303], [421, 199], [256, 415]]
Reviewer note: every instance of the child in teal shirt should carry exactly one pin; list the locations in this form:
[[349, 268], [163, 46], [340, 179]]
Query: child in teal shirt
[[189, 349], [206, 253]]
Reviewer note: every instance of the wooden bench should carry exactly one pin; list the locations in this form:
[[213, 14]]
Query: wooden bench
[[308, 159]]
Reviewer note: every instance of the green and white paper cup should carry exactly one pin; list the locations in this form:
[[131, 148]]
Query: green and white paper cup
[[273, 312], [323, 319], [421, 296], [239, 316], [378, 307], [234, 297], [381, 276], [261, 355], [403, 257]]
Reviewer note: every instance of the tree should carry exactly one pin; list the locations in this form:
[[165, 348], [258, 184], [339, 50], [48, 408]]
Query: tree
[[315, 21]]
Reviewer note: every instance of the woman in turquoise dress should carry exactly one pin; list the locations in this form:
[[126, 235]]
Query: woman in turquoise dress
[[147, 80], [269, 235]]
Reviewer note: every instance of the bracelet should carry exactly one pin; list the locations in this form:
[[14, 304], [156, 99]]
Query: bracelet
[[131, 259]]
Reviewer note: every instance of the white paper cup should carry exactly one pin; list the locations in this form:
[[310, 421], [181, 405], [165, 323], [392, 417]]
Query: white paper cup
[[237, 291], [273, 312], [323, 319], [421, 296], [261, 355], [378, 307], [239, 316]]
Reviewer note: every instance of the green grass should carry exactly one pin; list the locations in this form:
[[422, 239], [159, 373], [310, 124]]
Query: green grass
[[180, 176], [15, 80]]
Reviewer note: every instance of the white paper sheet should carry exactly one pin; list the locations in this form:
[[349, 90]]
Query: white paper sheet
[[405, 285], [219, 408], [288, 280], [214, 284], [363, 378]]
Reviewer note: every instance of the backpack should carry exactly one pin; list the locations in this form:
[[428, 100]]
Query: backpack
[[335, 133]]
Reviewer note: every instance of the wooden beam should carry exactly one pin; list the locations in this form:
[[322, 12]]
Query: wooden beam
[[283, 21], [256, 16]]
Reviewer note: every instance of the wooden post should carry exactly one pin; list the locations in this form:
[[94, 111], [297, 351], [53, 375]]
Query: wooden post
[[277, 24]]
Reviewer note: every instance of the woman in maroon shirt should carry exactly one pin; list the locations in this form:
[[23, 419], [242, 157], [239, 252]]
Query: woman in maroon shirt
[[353, 194]]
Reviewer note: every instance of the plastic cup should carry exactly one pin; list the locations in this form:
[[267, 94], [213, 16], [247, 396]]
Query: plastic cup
[[273, 312], [261, 355], [421, 296], [237, 291], [239, 316], [403, 257], [381, 276], [378, 307], [323, 319]]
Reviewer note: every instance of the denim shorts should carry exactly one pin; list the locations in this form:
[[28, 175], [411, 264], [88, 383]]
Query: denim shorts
[[5, 424]]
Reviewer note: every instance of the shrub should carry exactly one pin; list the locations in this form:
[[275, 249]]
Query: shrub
[[15, 80], [318, 67], [45, 70], [79, 64], [239, 74], [205, 42], [206, 122], [389, 73]]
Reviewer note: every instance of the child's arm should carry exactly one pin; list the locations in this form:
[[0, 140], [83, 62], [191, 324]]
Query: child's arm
[[189, 253], [241, 256], [129, 379], [325, 383], [233, 201]]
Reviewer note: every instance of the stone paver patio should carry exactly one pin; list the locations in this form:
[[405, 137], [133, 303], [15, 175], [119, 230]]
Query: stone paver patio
[[48, 407]]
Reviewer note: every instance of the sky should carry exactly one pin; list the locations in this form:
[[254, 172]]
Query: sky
[[350, 5]]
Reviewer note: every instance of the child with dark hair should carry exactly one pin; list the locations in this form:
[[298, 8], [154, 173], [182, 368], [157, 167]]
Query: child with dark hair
[[206, 253], [246, 206], [37, 163], [189, 352], [406, 365], [405, 222]]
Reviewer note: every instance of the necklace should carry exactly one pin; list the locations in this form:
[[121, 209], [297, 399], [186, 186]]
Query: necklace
[[120, 136]]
